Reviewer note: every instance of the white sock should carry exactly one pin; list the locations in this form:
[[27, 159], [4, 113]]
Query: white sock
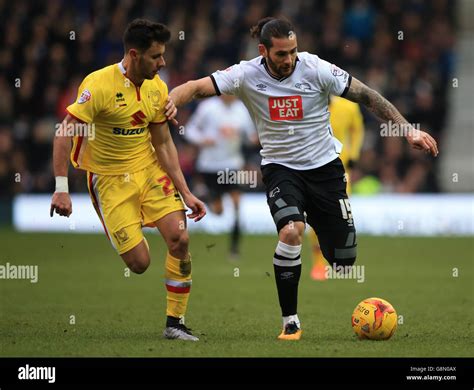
[[290, 252], [294, 318]]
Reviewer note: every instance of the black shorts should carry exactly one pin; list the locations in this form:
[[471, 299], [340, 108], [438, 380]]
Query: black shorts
[[215, 189], [317, 196]]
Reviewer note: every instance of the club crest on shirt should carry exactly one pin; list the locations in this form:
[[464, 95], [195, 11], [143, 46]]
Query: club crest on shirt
[[303, 86], [154, 97], [85, 97]]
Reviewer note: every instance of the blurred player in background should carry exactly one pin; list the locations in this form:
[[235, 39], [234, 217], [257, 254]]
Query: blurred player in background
[[347, 124], [287, 94], [133, 174], [219, 126]]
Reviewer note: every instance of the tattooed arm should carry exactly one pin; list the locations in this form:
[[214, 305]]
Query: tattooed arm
[[360, 93]]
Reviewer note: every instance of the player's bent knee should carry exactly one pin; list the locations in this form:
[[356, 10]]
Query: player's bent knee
[[345, 262], [138, 268], [291, 233], [289, 237], [137, 259], [178, 243], [344, 257], [137, 263]]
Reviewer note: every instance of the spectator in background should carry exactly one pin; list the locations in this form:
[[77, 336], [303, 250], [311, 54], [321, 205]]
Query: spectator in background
[[47, 46], [219, 127]]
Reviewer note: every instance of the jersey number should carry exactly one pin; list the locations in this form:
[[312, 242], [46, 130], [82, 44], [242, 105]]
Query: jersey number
[[345, 208], [165, 182]]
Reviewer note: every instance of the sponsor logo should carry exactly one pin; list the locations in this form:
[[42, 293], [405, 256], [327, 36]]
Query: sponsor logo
[[286, 275], [119, 99], [286, 108], [261, 87], [119, 131], [85, 97], [138, 118], [273, 192]]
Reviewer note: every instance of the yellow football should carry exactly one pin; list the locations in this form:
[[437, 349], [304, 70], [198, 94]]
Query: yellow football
[[374, 319]]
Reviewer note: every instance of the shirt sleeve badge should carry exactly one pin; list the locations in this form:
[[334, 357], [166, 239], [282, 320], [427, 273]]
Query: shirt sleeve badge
[[85, 97]]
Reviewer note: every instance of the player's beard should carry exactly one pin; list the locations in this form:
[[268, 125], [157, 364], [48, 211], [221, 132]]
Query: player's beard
[[280, 70], [151, 75], [146, 72]]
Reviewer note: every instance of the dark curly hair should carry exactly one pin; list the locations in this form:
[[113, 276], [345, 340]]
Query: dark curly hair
[[269, 27], [141, 33]]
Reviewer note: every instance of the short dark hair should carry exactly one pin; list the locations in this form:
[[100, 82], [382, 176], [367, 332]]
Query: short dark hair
[[141, 33], [268, 28]]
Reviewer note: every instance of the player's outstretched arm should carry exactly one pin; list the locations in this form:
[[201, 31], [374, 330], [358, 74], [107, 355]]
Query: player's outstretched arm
[[194, 89], [168, 158], [61, 201], [360, 93]]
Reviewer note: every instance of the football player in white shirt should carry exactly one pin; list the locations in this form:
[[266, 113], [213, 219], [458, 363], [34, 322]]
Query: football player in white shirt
[[219, 126], [286, 94]]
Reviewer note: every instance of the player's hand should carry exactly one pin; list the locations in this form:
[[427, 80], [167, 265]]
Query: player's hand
[[198, 208], [171, 111], [61, 202], [423, 141]]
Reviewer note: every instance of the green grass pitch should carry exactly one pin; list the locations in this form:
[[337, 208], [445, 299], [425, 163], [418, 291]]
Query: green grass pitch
[[233, 306]]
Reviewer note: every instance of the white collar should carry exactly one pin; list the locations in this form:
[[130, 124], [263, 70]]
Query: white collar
[[121, 67]]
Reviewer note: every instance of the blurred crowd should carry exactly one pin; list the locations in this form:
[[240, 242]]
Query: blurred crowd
[[405, 49]]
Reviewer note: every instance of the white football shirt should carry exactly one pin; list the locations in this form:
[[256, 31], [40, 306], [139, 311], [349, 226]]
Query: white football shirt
[[291, 114], [226, 125]]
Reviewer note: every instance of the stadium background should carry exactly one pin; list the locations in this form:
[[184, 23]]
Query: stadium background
[[416, 53], [415, 73]]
